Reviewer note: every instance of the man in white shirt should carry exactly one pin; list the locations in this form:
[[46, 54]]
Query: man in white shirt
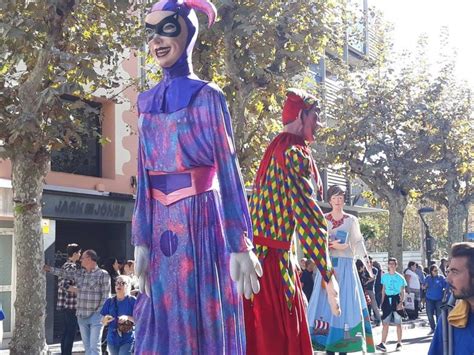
[[414, 285]]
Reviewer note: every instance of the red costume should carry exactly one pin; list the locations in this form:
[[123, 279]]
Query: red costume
[[281, 204]]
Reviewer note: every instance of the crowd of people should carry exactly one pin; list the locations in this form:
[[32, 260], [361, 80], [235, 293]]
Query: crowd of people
[[102, 300], [98, 300], [391, 296]]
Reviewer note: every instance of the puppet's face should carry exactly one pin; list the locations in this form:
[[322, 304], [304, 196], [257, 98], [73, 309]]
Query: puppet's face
[[310, 124], [166, 34], [337, 201]]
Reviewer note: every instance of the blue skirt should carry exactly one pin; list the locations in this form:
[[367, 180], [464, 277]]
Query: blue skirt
[[349, 332]]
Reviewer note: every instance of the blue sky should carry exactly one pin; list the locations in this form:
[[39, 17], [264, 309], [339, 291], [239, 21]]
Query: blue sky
[[414, 17]]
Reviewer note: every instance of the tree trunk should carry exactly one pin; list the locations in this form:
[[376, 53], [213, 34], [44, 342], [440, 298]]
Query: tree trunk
[[28, 173], [396, 208], [457, 217]]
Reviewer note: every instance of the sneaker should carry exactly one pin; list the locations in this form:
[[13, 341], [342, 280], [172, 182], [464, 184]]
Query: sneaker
[[381, 347], [431, 332], [399, 347]]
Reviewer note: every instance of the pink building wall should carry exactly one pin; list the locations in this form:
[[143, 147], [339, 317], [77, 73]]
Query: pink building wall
[[114, 178]]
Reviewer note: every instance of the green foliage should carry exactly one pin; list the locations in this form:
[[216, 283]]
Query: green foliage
[[52, 50], [394, 123], [374, 228], [255, 52], [406, 131]]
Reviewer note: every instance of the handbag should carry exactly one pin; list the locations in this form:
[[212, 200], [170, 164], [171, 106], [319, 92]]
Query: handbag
[[124, 327], [402, 313], [410, 301]]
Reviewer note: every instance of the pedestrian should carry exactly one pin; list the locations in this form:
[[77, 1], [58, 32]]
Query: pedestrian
[[307, 279], [67, 300], [302, 263], [112, 266], [2, 317], [93, 288], [117, 315], [283, 207], [421, 276], [378, 284], [347, 243], [414, 287], [370, 290], [435, 285], [461, 318], [393, 296], [129, 270], [443, 266], [191, 223]]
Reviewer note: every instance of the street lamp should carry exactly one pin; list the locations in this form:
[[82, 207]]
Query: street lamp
[[430, 242]]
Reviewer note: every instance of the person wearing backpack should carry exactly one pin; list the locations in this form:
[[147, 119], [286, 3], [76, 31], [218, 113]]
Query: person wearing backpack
[[117, 313]]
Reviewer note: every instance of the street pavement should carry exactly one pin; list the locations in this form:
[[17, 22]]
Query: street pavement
[[416, 340]]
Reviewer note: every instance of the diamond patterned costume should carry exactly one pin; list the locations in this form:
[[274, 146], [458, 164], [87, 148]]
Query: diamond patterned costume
[[282, 205]]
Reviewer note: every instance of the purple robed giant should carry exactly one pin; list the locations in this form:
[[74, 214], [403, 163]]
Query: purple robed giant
[[194, 306]]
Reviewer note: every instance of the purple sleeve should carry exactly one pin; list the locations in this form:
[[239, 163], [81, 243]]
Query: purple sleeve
[[236, 220], [141, 221]]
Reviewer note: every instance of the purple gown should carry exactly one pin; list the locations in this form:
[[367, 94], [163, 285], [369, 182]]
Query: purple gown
[[194, 307]]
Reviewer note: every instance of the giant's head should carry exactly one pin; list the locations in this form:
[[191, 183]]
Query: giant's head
[[301, 111], [172, 28]]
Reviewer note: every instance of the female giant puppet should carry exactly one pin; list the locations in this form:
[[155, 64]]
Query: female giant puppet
[[191, 211]]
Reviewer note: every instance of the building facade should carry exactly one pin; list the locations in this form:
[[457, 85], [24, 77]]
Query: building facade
[[88, 199]]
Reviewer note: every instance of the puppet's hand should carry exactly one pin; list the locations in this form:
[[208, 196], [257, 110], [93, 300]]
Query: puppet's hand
[[142, 266], [332, 288], [244, 268]]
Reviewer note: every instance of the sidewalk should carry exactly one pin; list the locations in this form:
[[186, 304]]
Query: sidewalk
[[53, 349], [422, 321]]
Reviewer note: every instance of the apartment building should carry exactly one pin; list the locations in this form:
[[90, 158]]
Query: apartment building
[[88, 199]]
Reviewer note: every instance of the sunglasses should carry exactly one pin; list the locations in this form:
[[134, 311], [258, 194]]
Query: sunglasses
[[121, 283]]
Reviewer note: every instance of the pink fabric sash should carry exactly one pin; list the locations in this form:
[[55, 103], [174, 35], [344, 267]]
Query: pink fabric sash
[[202, 179]]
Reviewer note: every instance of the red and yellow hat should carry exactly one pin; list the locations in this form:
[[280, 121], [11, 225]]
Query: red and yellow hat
[[297, 100]]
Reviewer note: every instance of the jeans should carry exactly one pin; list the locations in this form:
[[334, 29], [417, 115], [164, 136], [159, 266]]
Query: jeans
[[378, 297], [91, 332], [125, 349], [70, 329], [433, 307]]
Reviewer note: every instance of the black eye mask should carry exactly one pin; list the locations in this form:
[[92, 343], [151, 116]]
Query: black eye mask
[[168, 27]]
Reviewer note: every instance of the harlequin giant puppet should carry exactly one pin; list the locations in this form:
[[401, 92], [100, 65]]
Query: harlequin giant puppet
[[191, 220], [282, 205]]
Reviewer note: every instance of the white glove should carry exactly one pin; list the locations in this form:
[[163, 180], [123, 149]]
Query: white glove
[[244, 268], [142, 266], [332, 288]]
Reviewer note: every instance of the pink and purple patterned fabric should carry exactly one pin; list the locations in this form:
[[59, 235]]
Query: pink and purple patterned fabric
[[194, 307]]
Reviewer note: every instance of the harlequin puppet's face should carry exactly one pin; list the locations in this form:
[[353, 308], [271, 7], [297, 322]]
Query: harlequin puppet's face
[[310, 124], [166, 35]]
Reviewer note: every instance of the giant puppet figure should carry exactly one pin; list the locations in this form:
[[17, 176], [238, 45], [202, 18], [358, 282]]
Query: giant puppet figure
[[282, 205], [191, 221]]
